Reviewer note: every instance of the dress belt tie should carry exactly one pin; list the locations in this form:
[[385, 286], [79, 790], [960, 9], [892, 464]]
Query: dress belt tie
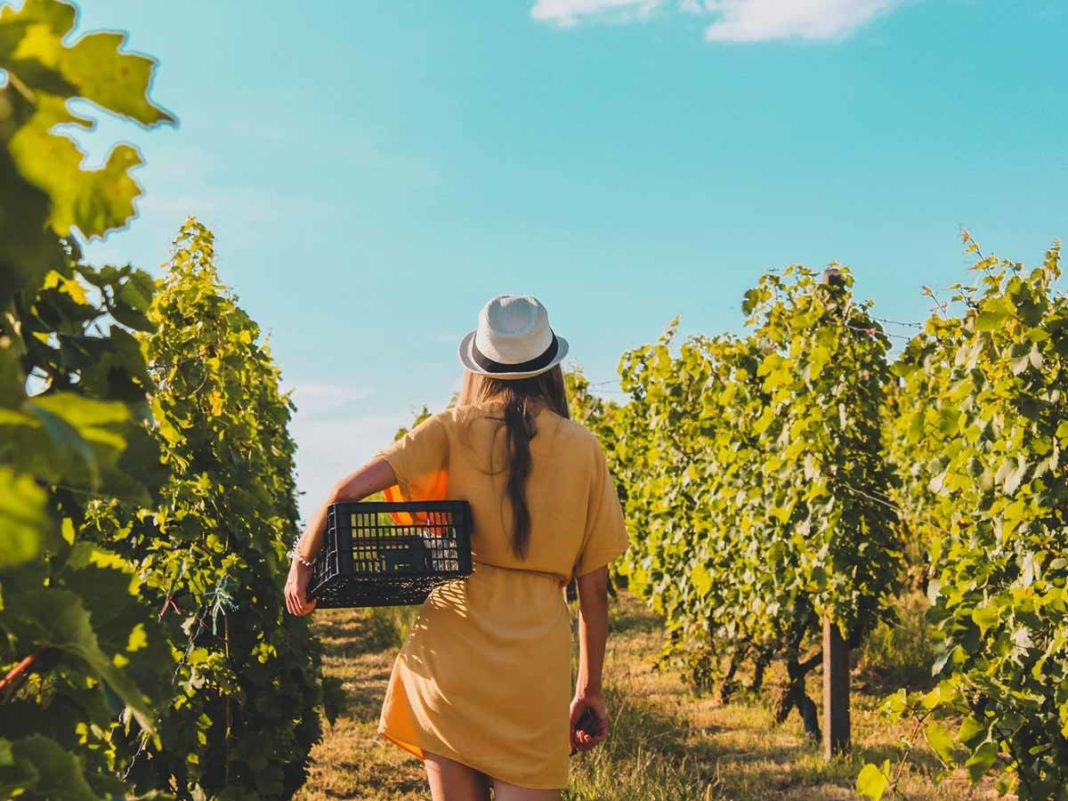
[[554, 576]]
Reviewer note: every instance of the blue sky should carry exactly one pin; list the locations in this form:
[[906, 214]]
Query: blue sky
[[376, 171]]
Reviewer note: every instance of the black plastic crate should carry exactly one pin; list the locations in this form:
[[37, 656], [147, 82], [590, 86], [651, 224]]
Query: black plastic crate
[[390, 553]]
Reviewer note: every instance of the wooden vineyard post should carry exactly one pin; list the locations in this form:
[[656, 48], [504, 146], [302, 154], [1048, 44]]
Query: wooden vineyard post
[[835, 691], [835, 651]]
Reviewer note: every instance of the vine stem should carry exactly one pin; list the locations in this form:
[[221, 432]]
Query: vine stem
[[910, 745], [20, 668], [229, 714]]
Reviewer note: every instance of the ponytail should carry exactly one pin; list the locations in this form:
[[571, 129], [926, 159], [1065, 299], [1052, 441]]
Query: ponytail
[[519, 422]]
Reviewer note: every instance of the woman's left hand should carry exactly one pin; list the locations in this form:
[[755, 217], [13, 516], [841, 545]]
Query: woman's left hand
[[296, 589], [583, 739]]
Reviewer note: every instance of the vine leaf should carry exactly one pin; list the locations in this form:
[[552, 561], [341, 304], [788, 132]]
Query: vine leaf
[[56, 772], [985, 617], [22, 518], [940, 740], [981, 760], [45, 73], [873, 781], [58, 619], [990, 320]]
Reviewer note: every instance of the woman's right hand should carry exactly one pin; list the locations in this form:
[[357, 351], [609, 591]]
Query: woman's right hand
[[296, 589], [593, 735]]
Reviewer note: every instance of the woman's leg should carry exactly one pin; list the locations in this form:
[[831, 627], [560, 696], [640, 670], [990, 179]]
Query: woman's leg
[[452, 781], [502, 791]]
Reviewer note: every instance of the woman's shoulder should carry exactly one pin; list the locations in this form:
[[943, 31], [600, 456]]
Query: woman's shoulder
[[576, 430], [578, 439]]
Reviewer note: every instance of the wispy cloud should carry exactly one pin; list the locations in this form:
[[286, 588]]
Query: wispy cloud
[[331, 447], [760, 20], [321, 399], [731, 20], [336, 430], [570, 12]]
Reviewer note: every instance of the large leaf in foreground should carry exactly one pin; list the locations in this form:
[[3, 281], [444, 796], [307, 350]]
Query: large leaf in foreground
[[22, 518]]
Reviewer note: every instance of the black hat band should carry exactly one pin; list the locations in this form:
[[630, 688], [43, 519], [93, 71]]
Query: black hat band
[[492, 366]]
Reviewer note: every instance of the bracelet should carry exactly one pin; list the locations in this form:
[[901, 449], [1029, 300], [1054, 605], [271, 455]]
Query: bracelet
[[292, 554]]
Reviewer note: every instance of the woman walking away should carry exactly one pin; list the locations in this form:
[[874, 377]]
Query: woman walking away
[[480, 690]]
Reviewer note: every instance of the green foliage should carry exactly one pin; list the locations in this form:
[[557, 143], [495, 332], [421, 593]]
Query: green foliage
[[212, 553], [755, 481], [43, 186], [599, 416], [592, 411], [83, 660], [388, 626], [420, 416], [978, 440]]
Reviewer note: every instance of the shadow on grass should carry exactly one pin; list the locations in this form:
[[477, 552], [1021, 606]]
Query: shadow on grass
[[757, 765], [879, 683], [359, 649], [357, 631], [919, 758], [632, 619], [384, 778]]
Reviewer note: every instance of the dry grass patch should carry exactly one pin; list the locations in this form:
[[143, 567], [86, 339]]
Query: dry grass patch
[[666, 744]]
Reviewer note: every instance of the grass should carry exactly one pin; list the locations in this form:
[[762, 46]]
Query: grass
[[666, 743]]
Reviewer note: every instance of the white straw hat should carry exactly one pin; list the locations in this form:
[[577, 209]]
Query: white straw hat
[[513, 339]]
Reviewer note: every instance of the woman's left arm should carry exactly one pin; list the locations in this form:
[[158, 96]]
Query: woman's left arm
[[373, 477], [593, 636]]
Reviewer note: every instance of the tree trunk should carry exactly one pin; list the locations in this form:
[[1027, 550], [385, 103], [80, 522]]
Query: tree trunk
[[759, 668], [729, 685], [794, 696]]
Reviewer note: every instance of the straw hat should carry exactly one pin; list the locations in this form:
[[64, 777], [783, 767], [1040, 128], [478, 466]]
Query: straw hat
[[513, 339]]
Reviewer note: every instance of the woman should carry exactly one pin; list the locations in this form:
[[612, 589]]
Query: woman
[[480, 689]]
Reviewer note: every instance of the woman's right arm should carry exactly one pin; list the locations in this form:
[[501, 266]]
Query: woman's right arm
[[373, 477], [593, 635]]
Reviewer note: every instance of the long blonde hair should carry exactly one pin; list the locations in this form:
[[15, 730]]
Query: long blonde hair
[[521, 397]]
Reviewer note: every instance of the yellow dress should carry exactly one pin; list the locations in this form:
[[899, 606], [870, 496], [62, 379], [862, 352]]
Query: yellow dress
[[484, 676]]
